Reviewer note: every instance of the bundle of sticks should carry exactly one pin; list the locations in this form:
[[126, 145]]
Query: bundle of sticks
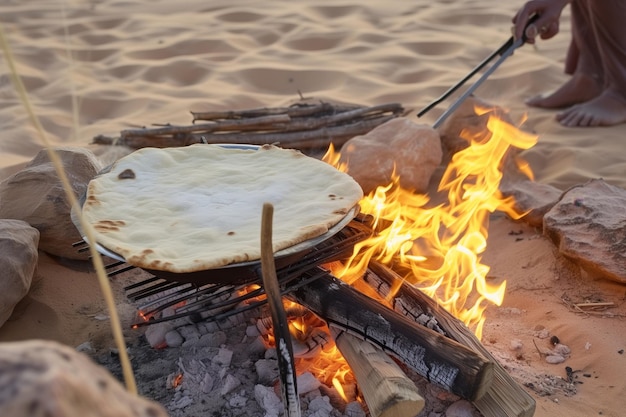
[[302, 125]]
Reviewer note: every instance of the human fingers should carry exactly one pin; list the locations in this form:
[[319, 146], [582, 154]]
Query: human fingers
[[549, 30], [521, 19]]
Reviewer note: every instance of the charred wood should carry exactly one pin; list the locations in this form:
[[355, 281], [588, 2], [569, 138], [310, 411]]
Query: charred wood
[[437, 358], [504, 397]]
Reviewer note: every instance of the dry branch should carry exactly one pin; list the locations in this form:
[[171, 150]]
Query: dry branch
[[301, 126]]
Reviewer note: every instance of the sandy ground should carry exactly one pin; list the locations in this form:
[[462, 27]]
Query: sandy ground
[[97, 67]]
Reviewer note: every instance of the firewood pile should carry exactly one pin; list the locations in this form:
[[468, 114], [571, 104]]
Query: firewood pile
[[302, 125]]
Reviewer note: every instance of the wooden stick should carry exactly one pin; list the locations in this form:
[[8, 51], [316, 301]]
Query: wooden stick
[[437, 358], [504, 397], [275, 121], [594, 305], [284, 348], [299, 127], [296, 110], [307, 139], [387, 390]]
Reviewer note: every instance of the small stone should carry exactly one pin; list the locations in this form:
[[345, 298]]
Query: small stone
[[516, 344], [267, 370], [461, 408], [268, 400], [307, 382], [173, 339], [85, 347], [354, 409], [206, 385], [555, 359], [230, 383], [223, 357], [562, 350], [237, 401], [213, 339], [252, 331], [320, 406], [155, 334]]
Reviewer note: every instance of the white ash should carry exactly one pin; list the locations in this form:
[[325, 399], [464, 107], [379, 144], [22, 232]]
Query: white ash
[[225, 379]]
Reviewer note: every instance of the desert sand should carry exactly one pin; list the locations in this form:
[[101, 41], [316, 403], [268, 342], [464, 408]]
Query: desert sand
[[97, 67]]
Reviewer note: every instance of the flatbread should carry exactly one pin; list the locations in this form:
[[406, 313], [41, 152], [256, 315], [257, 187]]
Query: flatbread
[[199, 207]]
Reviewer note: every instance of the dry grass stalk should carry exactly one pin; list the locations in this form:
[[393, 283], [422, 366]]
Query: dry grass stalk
[[105, 287]]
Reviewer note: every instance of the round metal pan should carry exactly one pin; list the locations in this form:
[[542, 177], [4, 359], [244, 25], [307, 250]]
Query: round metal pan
[[236, 273], [242, 272]]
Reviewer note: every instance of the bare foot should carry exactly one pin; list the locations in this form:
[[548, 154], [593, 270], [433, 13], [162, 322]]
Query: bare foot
[[607, 109], [578, 89]]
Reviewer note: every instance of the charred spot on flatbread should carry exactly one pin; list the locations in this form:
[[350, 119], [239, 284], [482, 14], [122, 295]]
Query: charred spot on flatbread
[[127, 174], [109, 225]]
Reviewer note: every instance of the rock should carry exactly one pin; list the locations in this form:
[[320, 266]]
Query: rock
[[173, 339], [223, 357], [229, 384], [411, 150], [35, 195], [44, 378], [268, 400], [18, 259], [465, 120], [531, 197], [461, 408], [267, 370], [155, 334], [555, 358], [588, 225]]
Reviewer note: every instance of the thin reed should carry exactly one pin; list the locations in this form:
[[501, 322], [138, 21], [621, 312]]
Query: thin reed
[[96, 259]]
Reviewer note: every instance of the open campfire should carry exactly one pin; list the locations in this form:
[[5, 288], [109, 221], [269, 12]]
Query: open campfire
[[404, 279]]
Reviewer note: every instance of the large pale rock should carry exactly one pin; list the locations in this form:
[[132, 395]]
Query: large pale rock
[[532, 198], [466, 123], [36, 196], [411, 150], [18, 259], [46, 379], [588, 225]]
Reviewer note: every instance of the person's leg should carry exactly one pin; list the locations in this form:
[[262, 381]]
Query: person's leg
[[583, 62], [608, 108]]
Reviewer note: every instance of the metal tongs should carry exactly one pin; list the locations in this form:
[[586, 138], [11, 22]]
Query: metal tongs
[[504, 51]]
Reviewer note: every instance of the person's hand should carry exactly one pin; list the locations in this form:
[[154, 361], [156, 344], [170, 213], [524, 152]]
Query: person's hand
[[547, 23]]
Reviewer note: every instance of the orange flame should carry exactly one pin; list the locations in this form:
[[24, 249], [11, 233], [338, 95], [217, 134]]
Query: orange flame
[[326, 364], [438, 247]]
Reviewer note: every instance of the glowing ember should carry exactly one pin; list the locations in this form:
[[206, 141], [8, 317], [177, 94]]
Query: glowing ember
[[177, 380], [314, 349], [438, 247]]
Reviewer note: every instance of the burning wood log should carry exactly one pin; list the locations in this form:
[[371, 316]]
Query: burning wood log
[[301, 126], [387, 390], [437, 358], [504, 397]]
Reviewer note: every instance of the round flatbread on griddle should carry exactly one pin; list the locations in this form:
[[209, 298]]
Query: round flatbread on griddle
[[199, 207]]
